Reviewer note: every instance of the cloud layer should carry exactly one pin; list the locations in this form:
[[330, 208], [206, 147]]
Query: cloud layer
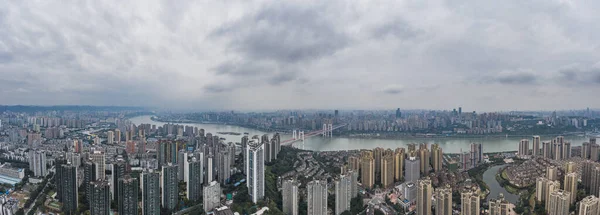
[[252, 55]]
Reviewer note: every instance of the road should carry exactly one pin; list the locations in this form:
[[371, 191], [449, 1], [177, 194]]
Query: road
[[39, 194]]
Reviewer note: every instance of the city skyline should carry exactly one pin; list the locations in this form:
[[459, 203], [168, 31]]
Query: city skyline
[[302, 54]]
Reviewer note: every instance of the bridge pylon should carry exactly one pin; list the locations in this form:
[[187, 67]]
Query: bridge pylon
[[294, 135]]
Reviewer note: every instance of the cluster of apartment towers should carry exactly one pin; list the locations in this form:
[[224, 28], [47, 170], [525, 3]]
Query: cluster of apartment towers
[[548, 188], [159, 186]]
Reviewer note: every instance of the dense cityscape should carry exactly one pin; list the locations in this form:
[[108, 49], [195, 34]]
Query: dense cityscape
[[95, 160], [299, 107]]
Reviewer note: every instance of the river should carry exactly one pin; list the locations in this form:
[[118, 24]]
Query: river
[[489, 177], [319, 143]]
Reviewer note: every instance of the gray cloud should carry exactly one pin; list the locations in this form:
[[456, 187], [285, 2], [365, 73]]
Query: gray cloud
[[189, 54]]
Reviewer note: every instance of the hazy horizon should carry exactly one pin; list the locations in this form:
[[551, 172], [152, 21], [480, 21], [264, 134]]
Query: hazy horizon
[[276, 55]]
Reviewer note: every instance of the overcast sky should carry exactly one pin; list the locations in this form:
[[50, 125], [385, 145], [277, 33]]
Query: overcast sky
[[334, 54]]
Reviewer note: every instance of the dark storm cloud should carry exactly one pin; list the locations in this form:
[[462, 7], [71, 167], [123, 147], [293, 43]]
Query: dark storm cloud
[[393, 89], [579, 76], [284, 33], [518, 78]]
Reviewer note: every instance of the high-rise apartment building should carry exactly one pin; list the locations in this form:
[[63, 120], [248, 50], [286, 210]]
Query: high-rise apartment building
[[377, 155], [595, 181], [411, 169], [585, 150], [367, 169], [589, 206], [255, 178], [570, 185], [224, 168], [37, 163], [594, 151], [167, 152], [586, 174], [499, 206], [476, 154], [100, 198], [169, 183], [110, 137], [437, 157], [128, 196], [552, 173], [353, 163], [547, 149], [99, 160], [194, 179], [470, 202], [289, 194], [119, 169], [317, 197], [150, 184], [343, 189], [118, 136], [523, 148], [566, 151], [212, 196], [424, 192], [89, 175], [559, 203], [399, 164], [424, 158], [443, 197], [535, 150], [69, 185], [387, 169]]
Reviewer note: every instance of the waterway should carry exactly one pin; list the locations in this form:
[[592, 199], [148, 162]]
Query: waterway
[[319, 143], [489, 177]]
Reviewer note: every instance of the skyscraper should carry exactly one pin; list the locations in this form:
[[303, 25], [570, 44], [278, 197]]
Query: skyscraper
[[425, 161], [387, 169], [559, 203], [167, 152], [290, 197], [589, 206], [499, 206], [244, 144], [353, 174], [551, 186], [100, 198], [566, 151], [536, 146], [436, 157], [594, 151], [110, 137], [170, 192], [585, 150], [99, 160], [128, 195], [570, 185], [595, 181], [399, 164], [224, 167], [68, 191], [569, 167], [194, 179], [470, 202], [523, 148], [118, 136], [353, 163], [411, 169], [212, 196], [586, 174], [37, 163], [89, 175], [317, 197], [377, 155], [150, 184], [443, 201], [255, 178], [367, 169], [343, 196], [547, 149], [118, 171], [476, 154], [181, 165], [424, 192], [210, 168], [552, 173]]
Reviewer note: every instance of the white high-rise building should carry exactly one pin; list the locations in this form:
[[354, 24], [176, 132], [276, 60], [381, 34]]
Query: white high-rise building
[[99, 159], [589, 206], [37, 163], [255, 166], [317, 197], [110, 137], [343, 195], [212, 196], [290, 197]]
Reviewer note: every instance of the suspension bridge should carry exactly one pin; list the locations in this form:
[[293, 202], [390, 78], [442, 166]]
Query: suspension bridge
[[299, 135]]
